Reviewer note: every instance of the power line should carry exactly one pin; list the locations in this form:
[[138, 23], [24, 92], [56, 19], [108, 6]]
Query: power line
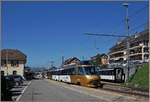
[[132, 15], [112, 35], [138, 11], [138, 26]]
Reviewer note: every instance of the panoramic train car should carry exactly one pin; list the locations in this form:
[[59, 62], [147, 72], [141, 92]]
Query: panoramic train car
[[112, 74], [85, 75]]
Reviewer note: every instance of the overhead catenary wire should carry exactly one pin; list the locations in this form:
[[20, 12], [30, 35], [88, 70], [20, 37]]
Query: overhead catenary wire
[[136, 27], [122, 21], [112, 35], [138, 11], [131, 16]]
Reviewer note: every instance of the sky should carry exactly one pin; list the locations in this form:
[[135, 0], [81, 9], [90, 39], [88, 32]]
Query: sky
[[46, 31]]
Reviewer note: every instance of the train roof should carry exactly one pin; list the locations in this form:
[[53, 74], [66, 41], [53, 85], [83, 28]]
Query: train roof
[[71, 66], [75, 65], [109, 69]]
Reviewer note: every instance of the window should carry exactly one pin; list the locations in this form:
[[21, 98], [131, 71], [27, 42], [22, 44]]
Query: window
[[64, 72], [146, 49], [2, 73], [54, 72], [14, 72], [90, 70], [145, 43], [146, 56], [3, 63], [15, 63], [73, 71], [81, 71], [68, 71], [106, 72]]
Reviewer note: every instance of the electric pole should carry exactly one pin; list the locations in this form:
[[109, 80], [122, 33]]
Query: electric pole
[[128, 38]]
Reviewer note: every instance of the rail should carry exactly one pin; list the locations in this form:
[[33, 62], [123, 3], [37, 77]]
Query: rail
[[121, 89]]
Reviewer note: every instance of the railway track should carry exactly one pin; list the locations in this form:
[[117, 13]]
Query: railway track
[[120, 89]]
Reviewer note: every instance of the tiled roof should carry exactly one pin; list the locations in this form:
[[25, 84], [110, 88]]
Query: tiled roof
[[13, 54], [70, 60]]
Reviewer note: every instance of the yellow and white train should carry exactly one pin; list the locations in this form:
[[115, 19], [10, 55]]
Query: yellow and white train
[[85, 75]]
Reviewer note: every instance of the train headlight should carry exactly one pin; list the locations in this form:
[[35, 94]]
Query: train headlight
[[87, 76]]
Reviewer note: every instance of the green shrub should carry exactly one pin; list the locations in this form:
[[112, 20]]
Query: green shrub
[[140, 79]]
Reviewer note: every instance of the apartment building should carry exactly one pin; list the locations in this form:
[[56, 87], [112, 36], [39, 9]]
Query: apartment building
[[138, 49], [12, 62]]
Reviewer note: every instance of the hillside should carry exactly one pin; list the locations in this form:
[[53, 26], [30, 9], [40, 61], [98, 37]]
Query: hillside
[[141, 78]]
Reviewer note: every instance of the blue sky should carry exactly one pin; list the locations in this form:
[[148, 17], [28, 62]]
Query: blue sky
[[45, 31]]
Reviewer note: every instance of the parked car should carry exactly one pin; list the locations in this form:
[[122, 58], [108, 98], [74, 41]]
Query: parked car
[[10, 82], [18, 79]]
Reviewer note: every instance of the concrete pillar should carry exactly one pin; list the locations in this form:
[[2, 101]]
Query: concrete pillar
[[142, 53]]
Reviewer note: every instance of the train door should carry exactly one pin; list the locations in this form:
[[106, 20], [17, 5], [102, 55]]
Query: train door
[[118, 75]]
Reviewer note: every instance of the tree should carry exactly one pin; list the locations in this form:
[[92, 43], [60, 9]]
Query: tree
[[96, 60]]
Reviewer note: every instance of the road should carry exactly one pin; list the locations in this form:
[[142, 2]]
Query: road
[[17, 91], [53, 91]]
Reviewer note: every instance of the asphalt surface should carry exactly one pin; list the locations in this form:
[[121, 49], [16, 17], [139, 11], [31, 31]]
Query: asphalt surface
[[17, 90], [53, 91]]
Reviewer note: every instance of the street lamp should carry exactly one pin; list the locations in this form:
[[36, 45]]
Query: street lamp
[[127, 31]]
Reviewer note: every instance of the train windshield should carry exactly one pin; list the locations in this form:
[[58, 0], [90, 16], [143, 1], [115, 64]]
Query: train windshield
[[90, 70]]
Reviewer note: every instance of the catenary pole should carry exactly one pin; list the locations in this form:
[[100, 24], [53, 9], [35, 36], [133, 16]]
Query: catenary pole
[[127, 31]]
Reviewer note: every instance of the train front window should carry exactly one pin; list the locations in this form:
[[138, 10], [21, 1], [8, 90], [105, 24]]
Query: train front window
[[81, 71], [90, 70]]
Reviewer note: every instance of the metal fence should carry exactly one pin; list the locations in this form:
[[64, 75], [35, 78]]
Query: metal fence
[[132, 69]]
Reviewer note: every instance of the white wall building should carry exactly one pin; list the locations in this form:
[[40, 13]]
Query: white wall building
[[12, 62]]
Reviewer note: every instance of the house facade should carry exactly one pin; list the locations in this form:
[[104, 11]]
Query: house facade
[[12, 62], [71, 61], [103, 59]]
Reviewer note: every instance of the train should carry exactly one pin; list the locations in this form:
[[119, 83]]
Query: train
[[84, 75], [37, 75], [112, 75]]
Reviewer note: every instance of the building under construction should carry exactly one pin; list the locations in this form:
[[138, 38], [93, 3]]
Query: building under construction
[[138, 49]]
